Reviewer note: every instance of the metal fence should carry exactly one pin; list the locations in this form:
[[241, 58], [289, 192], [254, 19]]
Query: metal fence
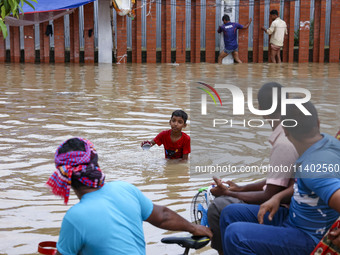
[[146, 11]]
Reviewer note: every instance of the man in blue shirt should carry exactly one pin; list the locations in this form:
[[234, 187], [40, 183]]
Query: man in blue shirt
[[314, 205], [229, 30], [109, 216]]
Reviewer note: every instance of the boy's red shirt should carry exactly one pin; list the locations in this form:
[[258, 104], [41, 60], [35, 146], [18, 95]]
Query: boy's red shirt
[[173, 150]]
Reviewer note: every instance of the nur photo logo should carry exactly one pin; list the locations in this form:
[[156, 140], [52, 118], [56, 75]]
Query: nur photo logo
[[289, 95], [204, 96]]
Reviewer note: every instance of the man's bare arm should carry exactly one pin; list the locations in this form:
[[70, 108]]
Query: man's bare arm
[[251, 197], [257, 197], [165, 218]]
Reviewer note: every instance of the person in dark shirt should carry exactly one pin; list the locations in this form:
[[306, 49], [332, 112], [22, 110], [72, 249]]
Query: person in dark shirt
[[229, 30]]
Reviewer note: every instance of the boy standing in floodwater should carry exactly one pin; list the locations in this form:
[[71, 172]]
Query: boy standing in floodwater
[[176, 143]]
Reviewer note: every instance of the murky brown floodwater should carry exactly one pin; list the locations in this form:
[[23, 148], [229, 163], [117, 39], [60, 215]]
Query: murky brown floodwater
[[117, 107]]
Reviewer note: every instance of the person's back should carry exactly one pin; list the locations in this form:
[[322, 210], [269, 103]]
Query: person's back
[[106, 221], [229, 30], [315, 203], [316, 182], [283, 154], [109, 217], [230, 34], [280, 29]]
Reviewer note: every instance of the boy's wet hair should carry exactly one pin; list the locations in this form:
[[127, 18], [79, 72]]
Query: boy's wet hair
[[307, 125], [180, 113], [274, 12], [225, 18]]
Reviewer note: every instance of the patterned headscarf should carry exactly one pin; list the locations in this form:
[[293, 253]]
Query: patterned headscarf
[[81, 164]]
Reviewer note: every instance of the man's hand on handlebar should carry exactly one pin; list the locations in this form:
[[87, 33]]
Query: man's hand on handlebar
[[200, 230]]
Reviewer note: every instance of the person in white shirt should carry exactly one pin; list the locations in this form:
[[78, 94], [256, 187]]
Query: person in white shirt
[[277, 30]]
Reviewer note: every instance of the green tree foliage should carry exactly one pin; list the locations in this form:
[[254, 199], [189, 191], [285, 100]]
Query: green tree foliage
[[14, 7]]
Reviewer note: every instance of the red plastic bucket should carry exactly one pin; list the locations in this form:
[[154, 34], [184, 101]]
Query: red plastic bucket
[[47, 248]]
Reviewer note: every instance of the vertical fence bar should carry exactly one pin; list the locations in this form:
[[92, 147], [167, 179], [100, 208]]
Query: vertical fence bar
[[180, 31], [89, 33], [195, 31], [121, 39], [2, 49], [319, 31], [187, 24], [328, 20], [166, 31], [158, 25], [138, 25], [128, 33], [304, 31], [243, 33], [258, 33], [163, 30], [151, 32], [173, 23], [44, 43], [144, 5], [334, 35], [288, 45], [59, 40], [261, 34], [202, 23], [134, 37], [210, 31], [74, 38], [29, 44], [15, 44]]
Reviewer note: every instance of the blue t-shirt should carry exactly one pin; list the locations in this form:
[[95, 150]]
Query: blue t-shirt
[[230, 34], [309, 209], [107, 221]]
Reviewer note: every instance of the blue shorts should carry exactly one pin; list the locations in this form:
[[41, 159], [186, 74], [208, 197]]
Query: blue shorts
[[230, 51], [241, 234]]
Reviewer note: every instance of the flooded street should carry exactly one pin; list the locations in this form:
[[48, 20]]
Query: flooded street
[[116, 107]]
